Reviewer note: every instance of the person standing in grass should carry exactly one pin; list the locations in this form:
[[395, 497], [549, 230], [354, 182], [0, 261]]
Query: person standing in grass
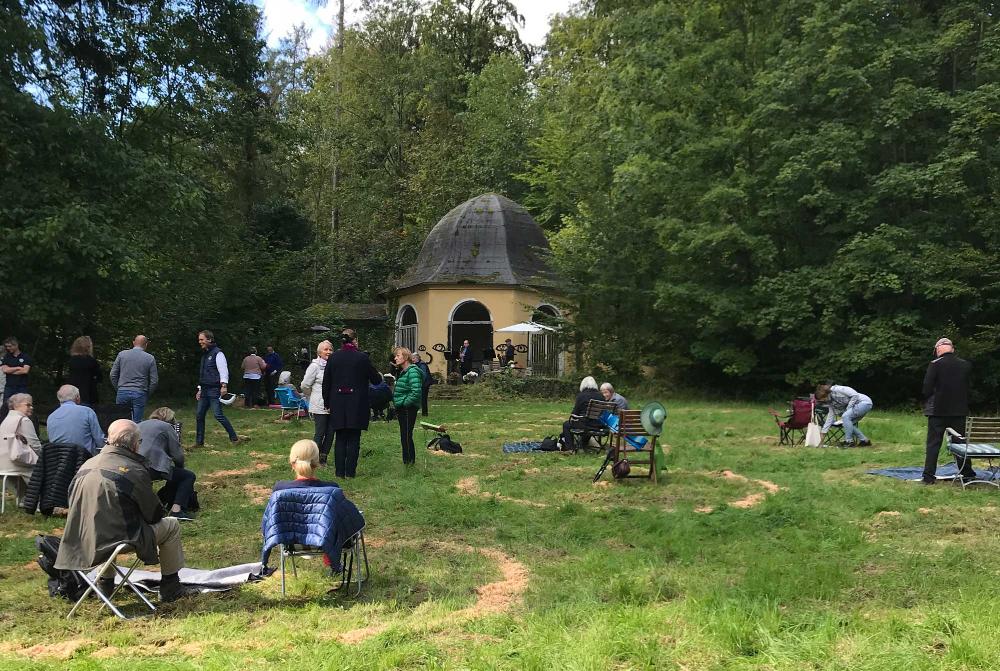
[[312, 385], [134, 377], [213, 384], [946, 405], [850, 406], [253, 371], [345, 394], [428, 380], [406, 398]]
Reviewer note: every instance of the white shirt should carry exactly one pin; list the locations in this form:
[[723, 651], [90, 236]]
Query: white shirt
[[223, 366]]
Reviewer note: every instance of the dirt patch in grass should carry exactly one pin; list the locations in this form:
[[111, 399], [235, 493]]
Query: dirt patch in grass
[[258, 493], [470, 487], [259, 466], [748, 501], [492, 598], [61, 650]]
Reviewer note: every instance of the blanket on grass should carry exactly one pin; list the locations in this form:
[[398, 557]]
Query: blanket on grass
[[522, 446], [205, 580], [946, 472]]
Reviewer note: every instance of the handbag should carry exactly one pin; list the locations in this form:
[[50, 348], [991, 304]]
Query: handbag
[[20, 451], [814, 437]]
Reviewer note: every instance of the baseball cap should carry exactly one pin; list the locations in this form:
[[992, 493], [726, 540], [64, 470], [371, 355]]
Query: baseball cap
[[943, 341]]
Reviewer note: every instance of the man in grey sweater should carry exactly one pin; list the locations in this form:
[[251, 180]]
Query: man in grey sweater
[[134, 377]]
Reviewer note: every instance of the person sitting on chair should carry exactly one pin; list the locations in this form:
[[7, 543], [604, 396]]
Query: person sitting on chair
[[111, 501], [588, 392], [850, 406], [73, 423], [19, 444], [162, 449], [285, 382], [609, 394], [304, 460]]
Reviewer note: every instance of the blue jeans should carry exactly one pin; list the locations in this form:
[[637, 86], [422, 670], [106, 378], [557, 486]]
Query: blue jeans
[[851, 419], [136, 399], [210, 398]]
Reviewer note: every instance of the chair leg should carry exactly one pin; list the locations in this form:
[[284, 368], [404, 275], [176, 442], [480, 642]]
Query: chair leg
[[3, 495], [281, 562]]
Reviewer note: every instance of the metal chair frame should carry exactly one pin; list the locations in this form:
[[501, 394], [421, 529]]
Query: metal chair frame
[[284, 395], [601, 433], [120, 572], [352, 554], [3, 490], [982, 436]]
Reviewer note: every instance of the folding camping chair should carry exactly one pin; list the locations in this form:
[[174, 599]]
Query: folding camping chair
[[589, 425], [981, 441], [289, 402], [792, 425], [835, 434], [121, 573]]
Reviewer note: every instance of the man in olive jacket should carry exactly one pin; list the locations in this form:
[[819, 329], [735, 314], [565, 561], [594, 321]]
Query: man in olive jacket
[[111, 501]]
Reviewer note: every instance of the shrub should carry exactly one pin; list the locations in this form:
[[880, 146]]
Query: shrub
[[507, 384]]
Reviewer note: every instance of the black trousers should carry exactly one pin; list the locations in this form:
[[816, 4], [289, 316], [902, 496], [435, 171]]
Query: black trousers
[[407, 416], [423, 400], [270, 381], [250, 389], [180, 486], [936, 426], [346, 449], [322, 436]]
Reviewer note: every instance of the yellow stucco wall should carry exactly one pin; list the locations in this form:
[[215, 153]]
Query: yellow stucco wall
[[435, 305]]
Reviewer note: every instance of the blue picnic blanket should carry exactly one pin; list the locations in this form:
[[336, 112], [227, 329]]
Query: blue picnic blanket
[[522, 446], [946, 472]]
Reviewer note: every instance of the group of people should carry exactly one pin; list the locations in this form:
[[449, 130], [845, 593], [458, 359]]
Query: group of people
[[589, 391]]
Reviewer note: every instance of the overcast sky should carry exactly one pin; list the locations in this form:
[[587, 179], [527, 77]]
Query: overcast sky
[[281, 15]]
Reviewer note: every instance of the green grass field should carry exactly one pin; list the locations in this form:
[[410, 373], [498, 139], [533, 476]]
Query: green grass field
[[487, 560]]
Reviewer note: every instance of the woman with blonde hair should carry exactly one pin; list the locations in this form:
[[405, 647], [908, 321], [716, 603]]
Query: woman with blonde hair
[[84, 371], [406, 398], [304, 460]]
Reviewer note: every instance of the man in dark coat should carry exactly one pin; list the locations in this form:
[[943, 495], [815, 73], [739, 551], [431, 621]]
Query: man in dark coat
[[111, 501], [465, 357], [425, 389], [345, 393], [946, 404], [508, 353]]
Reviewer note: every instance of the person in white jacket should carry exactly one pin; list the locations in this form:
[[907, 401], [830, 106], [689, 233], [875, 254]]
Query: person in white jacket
[[312, 387]]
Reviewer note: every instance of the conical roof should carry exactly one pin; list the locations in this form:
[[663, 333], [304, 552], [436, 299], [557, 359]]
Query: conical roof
[[489, 239]]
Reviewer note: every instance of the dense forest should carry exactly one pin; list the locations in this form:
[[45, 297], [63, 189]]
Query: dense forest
[[742, 195]]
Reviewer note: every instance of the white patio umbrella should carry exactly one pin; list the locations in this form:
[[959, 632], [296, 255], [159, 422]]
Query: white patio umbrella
[[525, 327]]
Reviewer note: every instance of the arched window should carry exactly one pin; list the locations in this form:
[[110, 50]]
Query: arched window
[[406, 328]]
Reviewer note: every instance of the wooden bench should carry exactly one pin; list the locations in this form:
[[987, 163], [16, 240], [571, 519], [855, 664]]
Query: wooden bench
[[981, 440], [590, 425]]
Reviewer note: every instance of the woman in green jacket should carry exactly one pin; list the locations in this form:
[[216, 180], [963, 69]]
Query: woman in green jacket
[[406, 398]]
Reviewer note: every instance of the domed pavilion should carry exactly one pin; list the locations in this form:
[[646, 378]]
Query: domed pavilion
[[483, 267]]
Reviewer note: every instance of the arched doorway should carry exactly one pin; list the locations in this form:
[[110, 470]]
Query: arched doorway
[[471, 320], [543, 348], [406, 328]]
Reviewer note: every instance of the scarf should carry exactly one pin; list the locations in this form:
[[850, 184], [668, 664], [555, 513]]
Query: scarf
[[350, 345], [321, 362]]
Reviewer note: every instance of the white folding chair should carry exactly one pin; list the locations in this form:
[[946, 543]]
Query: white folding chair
[[120, 572], [14, 477]]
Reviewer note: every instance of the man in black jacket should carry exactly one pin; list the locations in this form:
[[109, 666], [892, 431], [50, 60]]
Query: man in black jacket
[[946, 404], [345, 393]]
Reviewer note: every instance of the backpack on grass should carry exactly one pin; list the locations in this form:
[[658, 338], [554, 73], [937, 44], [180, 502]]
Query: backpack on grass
[[63, 584], [445, 444]]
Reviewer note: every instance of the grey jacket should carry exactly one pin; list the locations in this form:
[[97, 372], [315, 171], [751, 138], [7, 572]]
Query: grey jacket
[[135, 369], [842, 398], [111, 501], [160, 447]]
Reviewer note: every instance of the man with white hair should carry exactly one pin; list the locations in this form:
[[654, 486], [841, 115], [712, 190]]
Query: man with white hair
[[946, 404], [111, 501], [74, 424], [609, 394], [135, 377]]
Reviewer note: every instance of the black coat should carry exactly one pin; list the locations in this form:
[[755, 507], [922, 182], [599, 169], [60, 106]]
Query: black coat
[[946, 387], [345, 389], [85, 374], [50, 477]]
